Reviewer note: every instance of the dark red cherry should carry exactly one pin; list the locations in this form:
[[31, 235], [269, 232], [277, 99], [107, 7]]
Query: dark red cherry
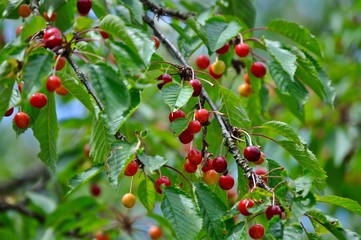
[[186, 137], [163, 180], [84, 7], [163, 80], [194, 126], [226, 182], [256, 231], [224, 49], [273, 210], [197, 87], [177, 114], [195, 156], [219, 164], [252, 153]]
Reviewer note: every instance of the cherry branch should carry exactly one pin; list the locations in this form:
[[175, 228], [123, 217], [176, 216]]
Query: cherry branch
[[225, 126], [160, 11], [35, 7]]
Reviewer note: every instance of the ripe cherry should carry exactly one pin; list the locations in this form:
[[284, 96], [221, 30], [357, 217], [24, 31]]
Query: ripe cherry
[[104, 34], [202, 115], [24, 10], [195, 156], [53, 83], [155, 232], [52, 37], [242, 49], [210, 177], [260, 160], [216, 76], [245, 90], [244, 205], [9, 112], [61, 90], [177, 114], [223, 49], [95, 190], [38, 100], [190, 167], [186, 137], [252, 153], [203, 61], [226, 182], [163, 80], [18, 30], [218, 67], [101, 236], [208, 165], [219, 164], [22, 120], [246, 78], [197, 87], [52, 18], [60, 64], [156, 42], [258, 69], [273, 210], [260, 171], [163, 180], [131, 169], [128, 200], [194, 126], [84, 7], [256, 231]]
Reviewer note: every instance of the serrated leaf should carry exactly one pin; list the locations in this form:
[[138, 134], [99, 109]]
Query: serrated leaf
[[248, 13], [298, 34], [292, 232], [152, 162], [233, 109], [242, 185], [77, 89], [100, 140], [295, 107], [6, 84], [121, 154], [82, 178], [284, 130], [239, 231], [82, 23], [32, 25], [176, 96], [180, 210], [285, 58], [99, 8], [135, 7], [65, 17], [198, 29], [146, 194], [346, 203], [45, 130], [302, 185], [179, 125], [135, 98], [212, 210], [15, 98], [113, 93]]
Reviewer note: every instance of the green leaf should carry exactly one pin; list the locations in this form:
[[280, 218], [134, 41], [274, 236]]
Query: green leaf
[[233, 109], [246, 15], [302, 185], [32, 25], [292, 231], [77, 89], [82, 178], [99, 8], [45, 203], [219, 31], [176, 96], [179, 125], [212, 210], [292, 104], [152, 162], [11, 6], [298, 34], [285, 58], [243, 187], [100, 140], [37, 67], [6, 84], [181, 212], [135, 98], [45, 130], [146, 194], [82, 23], [121, 154], [135, 7], [65, 17], [198, 29], [284, 130], [113, 93], [239, 231], [346, 203]]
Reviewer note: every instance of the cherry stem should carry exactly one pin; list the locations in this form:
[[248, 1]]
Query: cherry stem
[[240, 37], [131, 184], [254, 40], [205, 73], [262, 135], [258, 56], [254, 29], [179, 172], [169, 63], [212, 85], [89, 53], [246, 134]]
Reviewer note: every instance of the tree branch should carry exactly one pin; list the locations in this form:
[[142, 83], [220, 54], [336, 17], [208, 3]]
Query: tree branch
[[35, 7], [160, 11], [225, 126], [4, 206]]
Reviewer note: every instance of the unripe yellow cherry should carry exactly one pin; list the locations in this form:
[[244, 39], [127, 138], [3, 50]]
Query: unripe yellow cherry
[[128, 200], [245, 90], [219, 67]]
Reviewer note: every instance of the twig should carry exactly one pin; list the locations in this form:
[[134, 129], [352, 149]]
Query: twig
[[35, 7], [21, 209], [159, 11]]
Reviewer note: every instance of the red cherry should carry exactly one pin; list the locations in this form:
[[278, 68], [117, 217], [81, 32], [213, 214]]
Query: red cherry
[[190, 167], [186, 137], [84, 7], [194, 126], [38, 100], [156, 42], [61, 90], [273, 210], [219, 164], [197, 87], [244, 205], [203, 61], [95, 190], [131, 169], [195, 156], [258, 69], [9, 112], [226, 182], [155, 232], [246, 78], [252, 153], [18, 30], [101, 236], [216, 76], [52, 37], [202, 115], [104, 34], [163, 80], [20, 86], [162, 180], [53, 83], [177, 114], [223, 49], [208, 165], [256, 231], [242, 49], [210, 177], [24, 10], [260, 160], [61, 63], [21, 120]]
